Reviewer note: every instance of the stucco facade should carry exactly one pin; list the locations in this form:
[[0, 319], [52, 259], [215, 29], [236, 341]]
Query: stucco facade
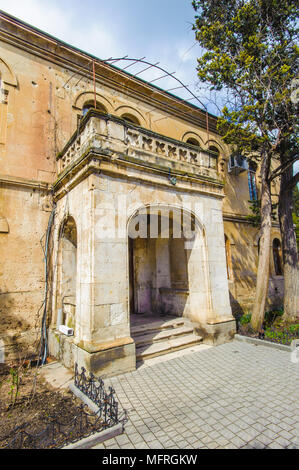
[[144, 155]]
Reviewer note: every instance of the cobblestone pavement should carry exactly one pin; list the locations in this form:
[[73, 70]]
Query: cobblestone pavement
[[236, 395]]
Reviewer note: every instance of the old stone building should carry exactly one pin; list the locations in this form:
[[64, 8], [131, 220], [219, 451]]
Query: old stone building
[[138, 207]]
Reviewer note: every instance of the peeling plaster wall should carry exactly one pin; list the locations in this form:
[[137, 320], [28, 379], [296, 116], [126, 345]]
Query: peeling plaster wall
[[22, 264], [39, 113], [244, 255]]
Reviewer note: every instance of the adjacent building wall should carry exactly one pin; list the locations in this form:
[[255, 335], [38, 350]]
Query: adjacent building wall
[[43, 94]]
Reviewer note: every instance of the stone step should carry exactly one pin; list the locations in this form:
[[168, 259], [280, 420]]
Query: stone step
[[161, 335], [157, 326], [159, 348]]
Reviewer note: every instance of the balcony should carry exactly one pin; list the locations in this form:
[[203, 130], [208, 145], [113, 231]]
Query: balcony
[[112, 136]]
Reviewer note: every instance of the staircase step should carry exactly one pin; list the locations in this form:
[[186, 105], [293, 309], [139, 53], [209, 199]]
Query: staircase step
[[164, 347], [157, 326], [162, 335]]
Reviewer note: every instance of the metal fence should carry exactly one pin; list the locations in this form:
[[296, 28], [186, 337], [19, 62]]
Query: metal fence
[[94, 389], [84, 423]]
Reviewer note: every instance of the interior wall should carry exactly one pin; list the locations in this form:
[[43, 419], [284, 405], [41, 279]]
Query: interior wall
[[66, 295], [160, 275]]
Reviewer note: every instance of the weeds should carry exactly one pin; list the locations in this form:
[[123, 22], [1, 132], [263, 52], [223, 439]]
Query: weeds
[[274, 328]]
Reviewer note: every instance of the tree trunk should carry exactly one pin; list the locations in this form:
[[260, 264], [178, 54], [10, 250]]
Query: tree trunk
[[262, 282], [289, 249]]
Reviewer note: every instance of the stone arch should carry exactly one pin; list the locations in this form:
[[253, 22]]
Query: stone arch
[[90, 105], [7, 75], [66, 272], [88, 96], [134, 209], [214, 143], [222, 158], [133, 112], [192, 135], [170, 273]]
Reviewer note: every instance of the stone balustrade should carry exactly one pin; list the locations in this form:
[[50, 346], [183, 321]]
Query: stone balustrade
[[120, 138]]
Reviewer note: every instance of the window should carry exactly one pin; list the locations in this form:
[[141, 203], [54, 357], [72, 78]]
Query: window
[[277, 257], [130, 118], [252, 182], [90, 105], [214, 159], [193, 141]]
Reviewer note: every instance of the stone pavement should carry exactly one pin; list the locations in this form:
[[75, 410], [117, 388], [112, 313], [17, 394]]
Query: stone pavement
[[236, 395]]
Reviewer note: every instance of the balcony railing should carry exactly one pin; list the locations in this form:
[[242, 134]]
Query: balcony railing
[[106, 132]]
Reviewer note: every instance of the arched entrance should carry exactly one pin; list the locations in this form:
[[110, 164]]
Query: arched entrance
[[167, 266], [67, 273]]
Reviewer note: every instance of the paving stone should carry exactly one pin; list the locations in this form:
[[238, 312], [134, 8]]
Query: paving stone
[[122, 440], [148, 437], [287, 435], [140, 445], [208, 399]]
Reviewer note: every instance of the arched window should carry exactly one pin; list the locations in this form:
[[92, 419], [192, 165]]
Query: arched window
[[229, 267], [90, 105], [277, 257], [67, 273], [193, 141], [131, 119], [214, 157]]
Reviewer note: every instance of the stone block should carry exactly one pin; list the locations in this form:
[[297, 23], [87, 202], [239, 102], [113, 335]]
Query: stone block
[[217, 333], [116, 359]]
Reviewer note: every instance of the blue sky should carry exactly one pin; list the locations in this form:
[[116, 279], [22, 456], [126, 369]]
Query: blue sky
[[161, 30]]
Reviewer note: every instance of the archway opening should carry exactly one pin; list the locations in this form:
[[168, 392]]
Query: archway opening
[[193, 141], [67, 273], [131, 119], [161, 268], [214, 157], [91, 105]]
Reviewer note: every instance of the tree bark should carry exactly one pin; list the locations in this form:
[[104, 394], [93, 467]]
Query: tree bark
[[289, 249], [262, 282]]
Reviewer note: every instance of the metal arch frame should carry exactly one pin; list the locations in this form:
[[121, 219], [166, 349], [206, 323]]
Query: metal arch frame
[[112, 60]]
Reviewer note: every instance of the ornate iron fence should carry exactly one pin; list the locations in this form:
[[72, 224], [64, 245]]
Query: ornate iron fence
[[94, 389], [84, 423]]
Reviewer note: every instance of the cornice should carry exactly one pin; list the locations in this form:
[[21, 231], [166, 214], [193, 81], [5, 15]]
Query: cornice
[[240, 218], [24, 182], [95, 161], [38, 43]]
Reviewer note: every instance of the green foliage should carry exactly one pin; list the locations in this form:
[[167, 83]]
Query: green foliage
[[285, 335], [294, 329], [272, 315], [251, 52], [245, 319], [14, 384], [275, 329], [255, 217], [251, 55]]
